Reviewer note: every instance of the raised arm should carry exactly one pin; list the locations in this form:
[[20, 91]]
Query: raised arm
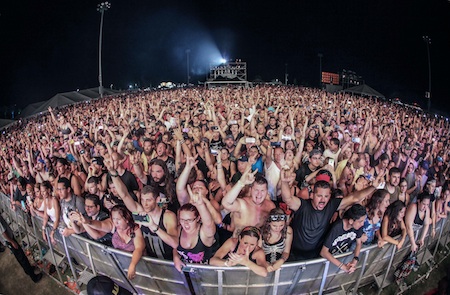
[[137, 167], [230, 200], [287, 178], [181, 190], [359, 196], [208, 227], [121, 189]]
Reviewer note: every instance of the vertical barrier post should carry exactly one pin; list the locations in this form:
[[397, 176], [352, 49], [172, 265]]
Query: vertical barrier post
[[363, 269], [17, 224], [299, 271], [49, 242], [91, 261], [74, 273], [425, 248], [394, 248], [33, 223], [122, 272], [220, 281], [276, 281], [441, 229], [324, 277]]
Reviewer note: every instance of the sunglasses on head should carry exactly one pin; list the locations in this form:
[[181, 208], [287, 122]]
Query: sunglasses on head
[[251, 229], [278, 217]]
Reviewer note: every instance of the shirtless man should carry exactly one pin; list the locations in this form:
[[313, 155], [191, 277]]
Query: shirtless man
[[372, 139], [253, 209]]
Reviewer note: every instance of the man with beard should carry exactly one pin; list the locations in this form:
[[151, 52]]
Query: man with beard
[[160, 232], [39, 171], [147, 152], [161, 154], [392, 186], [159, 178], [229, 143], [312, 217], [253, 209]]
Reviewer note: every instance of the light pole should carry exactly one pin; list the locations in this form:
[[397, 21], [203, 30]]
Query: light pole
[[427, 41], [320, 55], [102, 7], [187, 65], [286, 75]]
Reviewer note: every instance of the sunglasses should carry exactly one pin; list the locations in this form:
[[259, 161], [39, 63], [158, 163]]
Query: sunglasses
[[278, 217], [251, 229]]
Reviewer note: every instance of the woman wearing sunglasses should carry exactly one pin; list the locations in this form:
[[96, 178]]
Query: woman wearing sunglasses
[[277, 239], [242, 251]]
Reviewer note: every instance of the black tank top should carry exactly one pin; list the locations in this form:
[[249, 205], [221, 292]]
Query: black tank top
[[199, 254], [154, 245], [417, 219]]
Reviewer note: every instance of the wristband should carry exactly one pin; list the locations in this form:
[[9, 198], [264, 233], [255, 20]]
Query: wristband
[[356, 258], [241, 183], [182, 141], [226, 263], [112, 175], [154, 231], [340, 265]]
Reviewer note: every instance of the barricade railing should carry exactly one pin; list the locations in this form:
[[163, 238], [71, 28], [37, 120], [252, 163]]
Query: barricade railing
[[87, 258]]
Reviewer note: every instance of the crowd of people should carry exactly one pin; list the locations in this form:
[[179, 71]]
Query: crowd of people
[[232, 176]]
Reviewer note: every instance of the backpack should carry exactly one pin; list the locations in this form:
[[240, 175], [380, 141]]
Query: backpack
[[405, 268]]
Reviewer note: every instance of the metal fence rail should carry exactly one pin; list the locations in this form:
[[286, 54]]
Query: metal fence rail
[[155, 276]]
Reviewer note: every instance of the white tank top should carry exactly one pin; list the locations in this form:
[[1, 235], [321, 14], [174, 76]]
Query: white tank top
[[52, 213]]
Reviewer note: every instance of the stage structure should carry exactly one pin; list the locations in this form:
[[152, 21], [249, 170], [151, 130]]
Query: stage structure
[[228, 73]]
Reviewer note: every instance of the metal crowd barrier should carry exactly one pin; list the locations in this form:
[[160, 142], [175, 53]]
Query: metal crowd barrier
[[87, 258]]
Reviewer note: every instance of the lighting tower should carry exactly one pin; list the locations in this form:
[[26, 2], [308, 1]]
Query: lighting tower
[[102, 7], [427, 41]]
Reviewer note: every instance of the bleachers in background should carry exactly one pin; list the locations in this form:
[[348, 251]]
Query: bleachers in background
[[154, 276]]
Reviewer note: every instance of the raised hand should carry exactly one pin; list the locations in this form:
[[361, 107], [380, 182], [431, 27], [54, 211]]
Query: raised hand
[[191, 162], [287, 176], [248, 177], [108, 164], [150, 223], [135, 157], [196, 198]]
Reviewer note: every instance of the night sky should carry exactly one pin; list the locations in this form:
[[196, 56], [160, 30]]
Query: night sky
[[52, 46]]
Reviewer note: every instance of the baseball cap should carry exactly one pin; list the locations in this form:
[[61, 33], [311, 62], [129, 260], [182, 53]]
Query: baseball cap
[[243, 159], [323, 177], [98, 160], [271, 109], [10, 176], [424, 165]]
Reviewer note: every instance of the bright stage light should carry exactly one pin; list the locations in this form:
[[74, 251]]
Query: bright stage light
[[223, 61]]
